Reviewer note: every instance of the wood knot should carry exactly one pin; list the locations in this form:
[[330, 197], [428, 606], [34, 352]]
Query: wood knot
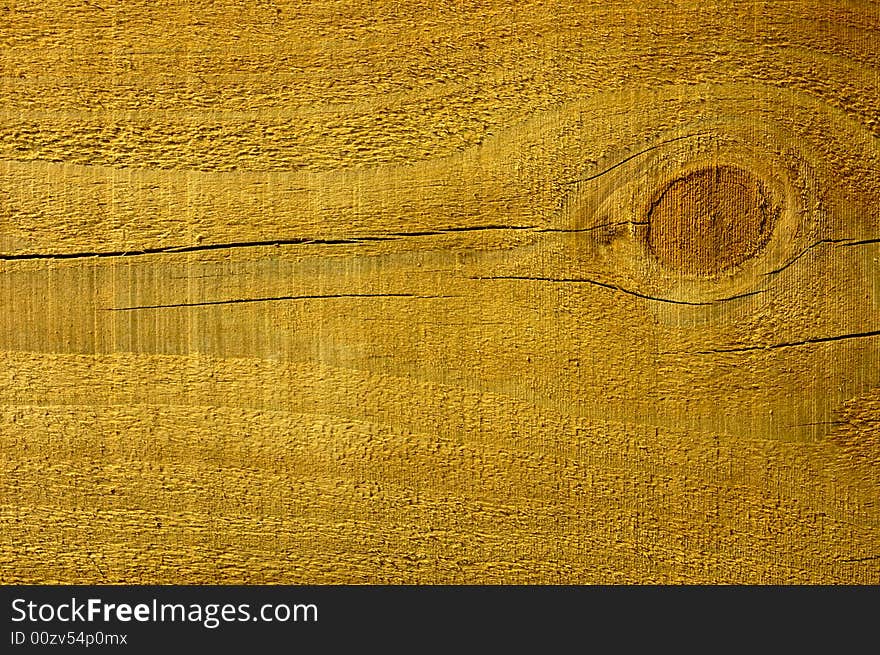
[[710, 220]]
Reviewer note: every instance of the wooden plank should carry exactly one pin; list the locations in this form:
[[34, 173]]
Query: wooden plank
[[313, 292]]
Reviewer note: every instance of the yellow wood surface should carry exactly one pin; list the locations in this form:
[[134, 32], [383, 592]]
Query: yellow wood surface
[[434, 292]]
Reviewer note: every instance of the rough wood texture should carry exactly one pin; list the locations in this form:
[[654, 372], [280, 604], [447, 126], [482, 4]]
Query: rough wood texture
[[423, 292]]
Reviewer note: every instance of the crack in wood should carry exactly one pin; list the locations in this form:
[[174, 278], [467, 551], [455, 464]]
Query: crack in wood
[[623, 161], [238, 301], [615, 287], [788, 344], [391, 236], [836, 242]]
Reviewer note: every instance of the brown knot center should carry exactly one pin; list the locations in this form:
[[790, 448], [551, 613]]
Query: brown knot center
[[710, 220]]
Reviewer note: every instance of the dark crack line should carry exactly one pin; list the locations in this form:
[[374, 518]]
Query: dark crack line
[[860, 242], [789, 344], [835, 242], [592, 228], [472, 228], [816, 423], [392, 236], [614, 287], [239, 301], [860, 559], [183, 249], [631, 157], [804, 252]]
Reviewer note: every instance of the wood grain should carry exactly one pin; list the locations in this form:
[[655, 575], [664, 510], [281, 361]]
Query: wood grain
[[408, 292]]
